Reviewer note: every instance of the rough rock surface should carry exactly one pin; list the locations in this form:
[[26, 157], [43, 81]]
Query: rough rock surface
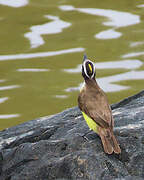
[[53, 147]]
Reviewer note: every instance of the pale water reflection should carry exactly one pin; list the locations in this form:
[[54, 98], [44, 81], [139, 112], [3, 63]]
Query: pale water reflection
[[32, 70], [117, 19], [2, 80], [133, 54], [141, 6], [9, 116], [2, 88], [53, 27], [2, 100], [135, 44], [14, 3], [108, 34], [61, 96], [41, 54]]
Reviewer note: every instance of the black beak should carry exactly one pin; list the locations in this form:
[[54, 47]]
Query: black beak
[[85, 57]]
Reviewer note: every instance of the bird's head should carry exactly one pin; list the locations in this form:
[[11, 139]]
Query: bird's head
[[88, 69]]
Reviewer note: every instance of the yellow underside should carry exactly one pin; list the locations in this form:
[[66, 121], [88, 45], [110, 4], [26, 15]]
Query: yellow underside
[[91, 123]]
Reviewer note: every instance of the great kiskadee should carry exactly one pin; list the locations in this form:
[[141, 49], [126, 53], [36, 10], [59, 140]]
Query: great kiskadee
[[95, 108]]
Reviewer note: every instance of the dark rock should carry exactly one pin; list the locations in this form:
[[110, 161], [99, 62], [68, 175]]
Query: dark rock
[[53, 147]]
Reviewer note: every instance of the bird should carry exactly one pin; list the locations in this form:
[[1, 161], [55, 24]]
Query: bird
[[93, 103]]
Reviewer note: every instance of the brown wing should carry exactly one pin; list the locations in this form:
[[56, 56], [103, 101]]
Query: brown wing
[[95, 105]]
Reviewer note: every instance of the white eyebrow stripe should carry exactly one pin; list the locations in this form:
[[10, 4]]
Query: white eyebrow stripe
[[84, 65]]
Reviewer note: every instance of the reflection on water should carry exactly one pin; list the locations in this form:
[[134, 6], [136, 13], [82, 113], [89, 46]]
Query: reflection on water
[[116, 19], [32, 70], [54, 27], [134, 44], [8, 87], [61, 96], [2, 100], [9, 116], [37, 55], [106, 83], [133, 54], [108, 34], [141, 5], [14, 3], [2, 80]]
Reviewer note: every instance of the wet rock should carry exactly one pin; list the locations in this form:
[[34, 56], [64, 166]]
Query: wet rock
[[53, 147]]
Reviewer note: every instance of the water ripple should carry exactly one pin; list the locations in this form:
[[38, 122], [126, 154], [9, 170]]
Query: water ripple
[[32, 70], [54, 27], [2, 80], [108, 34], [14, 3], [133, 54], [135, 44], [8, 87], [41, 54], [117, 19], [61, 96], [2, 100], [9, 116], [141, 6]]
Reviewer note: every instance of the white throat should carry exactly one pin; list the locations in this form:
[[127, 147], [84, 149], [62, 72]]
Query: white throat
[[82, 86]]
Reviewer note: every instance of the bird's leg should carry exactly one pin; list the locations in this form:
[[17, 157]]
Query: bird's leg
[[84, 136]]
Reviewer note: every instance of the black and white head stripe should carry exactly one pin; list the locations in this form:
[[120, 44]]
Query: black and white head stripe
[[89, 68]]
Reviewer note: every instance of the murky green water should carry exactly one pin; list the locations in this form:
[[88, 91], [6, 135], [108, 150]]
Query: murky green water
[[42, 45]]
